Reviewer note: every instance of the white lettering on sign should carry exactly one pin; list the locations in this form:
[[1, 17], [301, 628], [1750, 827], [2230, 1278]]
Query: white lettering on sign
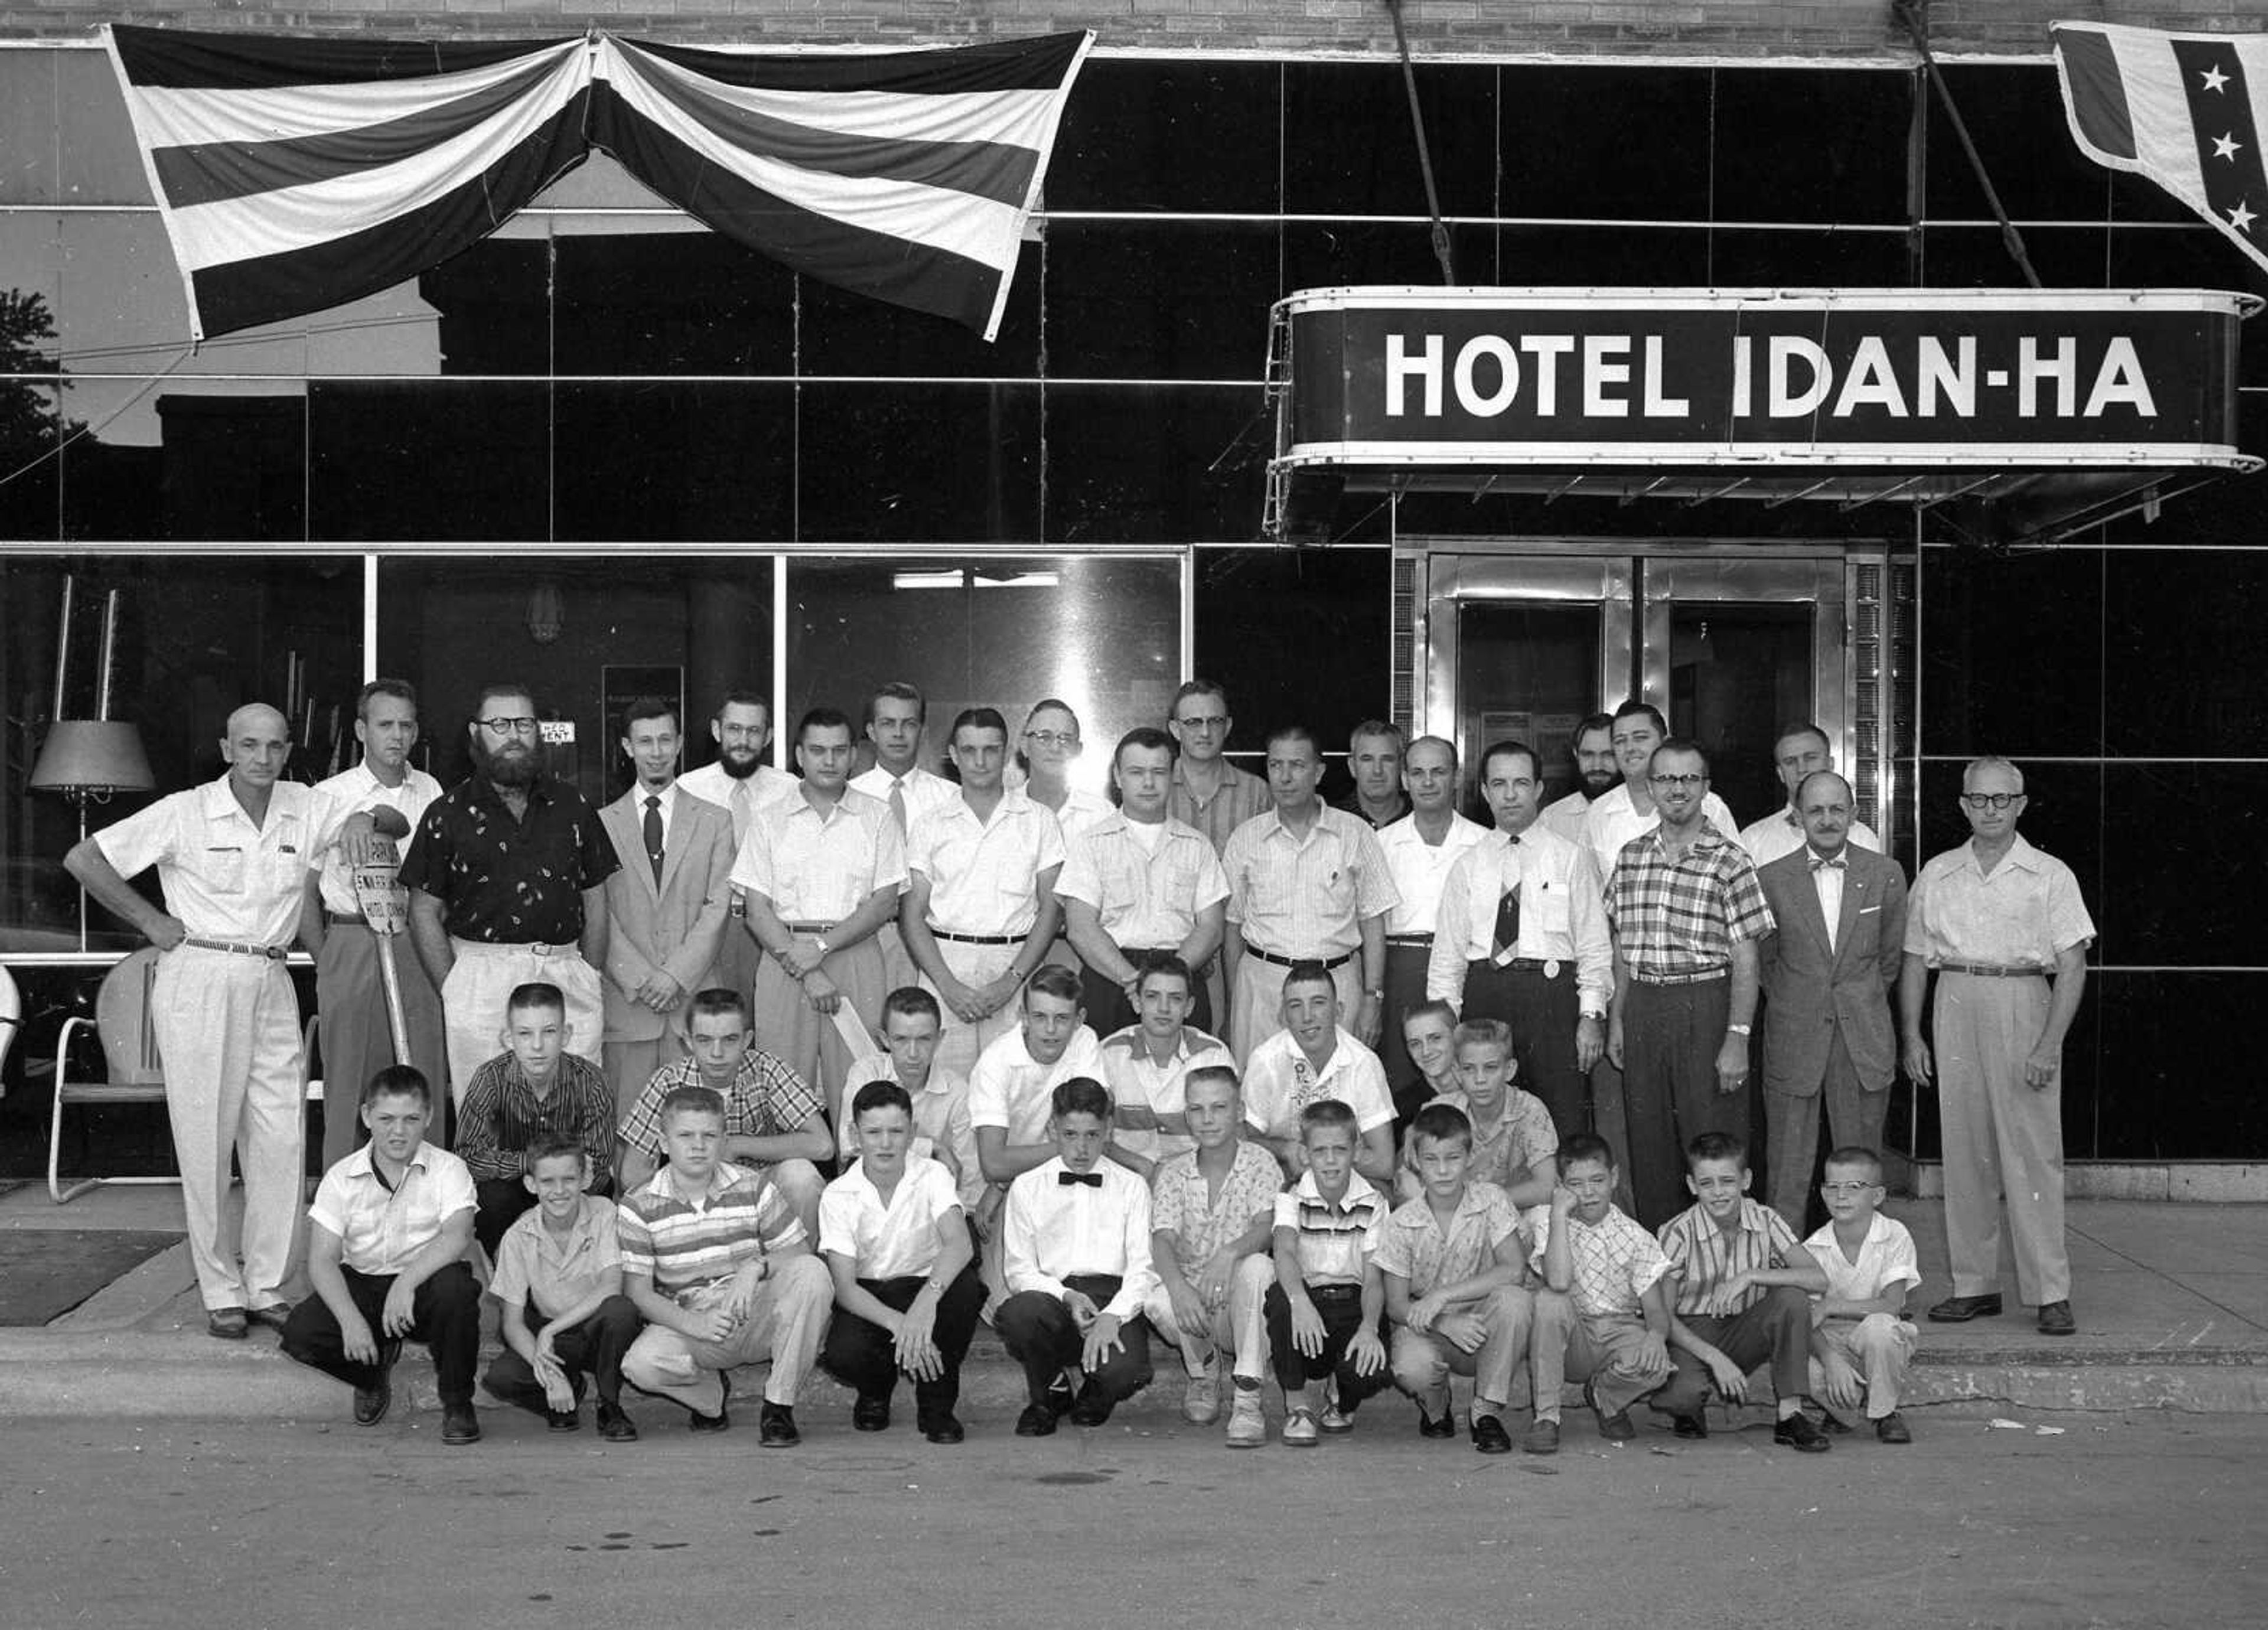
[[1870, 382], [2031, 368], [1598, 374], [2119, 380], [1783, 400], [1493, 348], [1400, 367], [1546, 349], [1657, 405], [1942, 375]]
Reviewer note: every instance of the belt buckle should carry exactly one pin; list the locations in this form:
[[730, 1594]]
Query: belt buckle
[[1551, 969]]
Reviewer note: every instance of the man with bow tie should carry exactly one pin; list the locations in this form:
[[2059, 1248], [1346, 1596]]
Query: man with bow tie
[[1830, 966]]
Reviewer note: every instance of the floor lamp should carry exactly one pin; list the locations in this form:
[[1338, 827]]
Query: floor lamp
[[87, 760]]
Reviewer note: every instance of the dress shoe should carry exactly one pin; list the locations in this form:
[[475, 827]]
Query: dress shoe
[[1091, 1409], [1961, 1309], [1037, 1421], [227, 1324], [1542, 1438], [459, 1426], [2056, 1319], [1693, 1427], [371, 1403], [1617, 1428], [1797, 1433], [942, 1429], [1441, 1426], [274, 1316], [1892, 1429], [870, 1414], [615, 1425], [563, 1420], [723, 1418], [775, 1426], [1490, 1437]]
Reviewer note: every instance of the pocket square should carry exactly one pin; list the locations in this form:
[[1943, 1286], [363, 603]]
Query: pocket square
[[1865, 909]]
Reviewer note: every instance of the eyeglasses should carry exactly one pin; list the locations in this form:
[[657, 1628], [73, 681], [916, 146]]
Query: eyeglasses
[[1990, 801], [509, 727], [1844, 1188], [1203, 721], [1053, 738], [1677, 780]]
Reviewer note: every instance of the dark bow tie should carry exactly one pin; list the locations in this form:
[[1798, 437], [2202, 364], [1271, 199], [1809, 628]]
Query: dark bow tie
[[1836, 865], [1093, 1179]]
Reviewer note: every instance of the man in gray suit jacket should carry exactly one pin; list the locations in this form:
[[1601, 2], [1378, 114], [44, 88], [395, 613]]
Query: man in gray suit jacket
[[666, 906], [1829, 969]]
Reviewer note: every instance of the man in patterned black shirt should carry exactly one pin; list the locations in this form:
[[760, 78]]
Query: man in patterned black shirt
[[507, 886]]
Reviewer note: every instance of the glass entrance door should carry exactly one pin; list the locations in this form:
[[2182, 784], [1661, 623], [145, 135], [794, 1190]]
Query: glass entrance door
[[1729, 644]]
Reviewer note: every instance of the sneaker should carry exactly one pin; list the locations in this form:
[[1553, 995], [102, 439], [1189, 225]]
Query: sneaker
[[1892, 1429], [459, 1426], [775, 1426], [1542, 1438], [615, 1425], [1037, 1421], [1797, 1433], [1201, 1402], [1300, 1429], [870, 1413], [1247, 1424], [1490, 1437], [1335, 1422]]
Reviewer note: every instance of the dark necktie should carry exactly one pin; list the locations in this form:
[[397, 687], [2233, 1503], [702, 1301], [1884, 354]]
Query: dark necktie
[[1836, 865], [1093, 1179], [1507, 917], [653, 834]]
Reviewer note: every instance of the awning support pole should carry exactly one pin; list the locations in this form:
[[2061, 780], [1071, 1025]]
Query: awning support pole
[[1910, 14], [1424, 150]]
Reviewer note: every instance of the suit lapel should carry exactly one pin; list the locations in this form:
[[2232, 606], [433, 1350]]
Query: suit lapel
[[630, 842], [683, 827], [1856, 890]]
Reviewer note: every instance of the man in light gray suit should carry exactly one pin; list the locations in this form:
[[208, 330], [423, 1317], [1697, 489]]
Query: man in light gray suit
[[666, 906], [1829, 969]]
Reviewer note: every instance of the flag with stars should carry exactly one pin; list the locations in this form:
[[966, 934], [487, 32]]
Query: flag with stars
[[2184, 110]]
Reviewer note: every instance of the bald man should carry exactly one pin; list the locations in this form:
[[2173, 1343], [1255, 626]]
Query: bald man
[[233, 858]]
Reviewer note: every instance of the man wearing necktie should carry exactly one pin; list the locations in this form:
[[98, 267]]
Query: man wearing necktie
[[896, 716], [740, 783], [1829, 967], [666, 905], [1522, 936]]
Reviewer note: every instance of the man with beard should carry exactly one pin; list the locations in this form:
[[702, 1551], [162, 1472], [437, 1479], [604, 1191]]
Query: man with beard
[[507, 886], [1419, 850], [739, 782], [822, 871], [1801, 750], [1591, 750], [374, 808], [1687, 916]]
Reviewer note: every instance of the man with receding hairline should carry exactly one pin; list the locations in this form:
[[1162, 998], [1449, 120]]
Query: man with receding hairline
[[1419, 848], [1376, 755], [233, 858]]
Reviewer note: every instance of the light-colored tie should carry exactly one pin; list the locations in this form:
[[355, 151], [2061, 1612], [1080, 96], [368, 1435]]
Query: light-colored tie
[[741, 801], [898, 803]]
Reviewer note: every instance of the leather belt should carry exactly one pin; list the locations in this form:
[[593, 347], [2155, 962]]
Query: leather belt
[[1985, 970], [272, 952], [1329, 962], [1548, 967], [935, 932], [1408, 940], [1334, 1292], [811, 927], [346, 919], [1682, 978]]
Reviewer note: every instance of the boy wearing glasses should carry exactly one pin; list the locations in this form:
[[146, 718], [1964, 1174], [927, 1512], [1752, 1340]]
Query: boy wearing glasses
[[1687, 915], [1860, 1341], [2003, 927], [507, 887]]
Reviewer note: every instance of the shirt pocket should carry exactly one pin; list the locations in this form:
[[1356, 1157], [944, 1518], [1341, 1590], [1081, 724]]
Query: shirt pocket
[[221, 869], [1551, 901]]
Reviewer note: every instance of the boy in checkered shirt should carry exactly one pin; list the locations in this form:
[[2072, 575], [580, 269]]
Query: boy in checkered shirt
[[1603, 1316]]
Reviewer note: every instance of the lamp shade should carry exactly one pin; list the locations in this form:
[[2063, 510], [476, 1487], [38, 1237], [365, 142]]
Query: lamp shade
[[85, 754]]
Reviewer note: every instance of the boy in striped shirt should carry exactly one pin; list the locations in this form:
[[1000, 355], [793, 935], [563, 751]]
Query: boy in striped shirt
[[717, 1261], [1326, 1311]]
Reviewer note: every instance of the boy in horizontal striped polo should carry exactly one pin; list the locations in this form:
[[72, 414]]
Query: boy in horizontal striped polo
[[1327, 1309], [1743, 1290], [718, 1263]]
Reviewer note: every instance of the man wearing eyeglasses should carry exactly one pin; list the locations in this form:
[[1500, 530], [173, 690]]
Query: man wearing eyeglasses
[[1687, 915], [1209, 792], [507, 885], [2003, 927]]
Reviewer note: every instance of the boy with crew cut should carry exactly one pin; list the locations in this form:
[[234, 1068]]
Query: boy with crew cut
[[1513, 1137], [911, 1024], [1455, 1260], [1076, 1256], [1861, 1341], [905, 1291], [716, 1260], [1212, 1209], [534, 1091], [1743, 1289], [1603, 1316], [1327, 1309], [559, 1282]]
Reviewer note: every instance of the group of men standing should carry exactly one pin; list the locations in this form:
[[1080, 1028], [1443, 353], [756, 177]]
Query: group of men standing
[[1623, 933]]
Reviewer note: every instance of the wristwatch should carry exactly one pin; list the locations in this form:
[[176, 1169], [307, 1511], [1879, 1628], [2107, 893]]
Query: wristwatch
[[821, 941], [1738, 1030]]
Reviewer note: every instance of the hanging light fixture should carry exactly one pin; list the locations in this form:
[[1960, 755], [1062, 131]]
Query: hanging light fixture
[[547, 613]]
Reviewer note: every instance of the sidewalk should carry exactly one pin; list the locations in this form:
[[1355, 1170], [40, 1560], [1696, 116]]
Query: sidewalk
[[2172, 1302]]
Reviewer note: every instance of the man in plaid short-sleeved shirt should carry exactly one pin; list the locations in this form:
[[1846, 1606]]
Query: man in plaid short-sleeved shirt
[[773, 1120], [1688, 914]]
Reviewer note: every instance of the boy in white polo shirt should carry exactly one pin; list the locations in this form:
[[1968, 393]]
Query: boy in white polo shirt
[[1861, 1341], [906, 1290], [1312, 1059]]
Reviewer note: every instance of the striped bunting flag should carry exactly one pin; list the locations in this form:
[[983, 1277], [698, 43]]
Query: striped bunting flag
[[298, 175], [2187, 111]]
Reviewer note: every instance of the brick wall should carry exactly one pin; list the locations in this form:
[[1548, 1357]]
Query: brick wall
[[1858, 29]]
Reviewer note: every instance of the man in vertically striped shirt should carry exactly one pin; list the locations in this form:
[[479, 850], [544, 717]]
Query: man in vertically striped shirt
[[1687, 914], [717, 1261]]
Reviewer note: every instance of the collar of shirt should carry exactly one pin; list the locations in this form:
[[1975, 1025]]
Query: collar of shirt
[[363, 1163], [480, 790], [217, 801], [1461, 833], [726, 1176], [641, 792], [1343, 1042], [1706, 838], [1358, 1189], [1472, 1203], [2021, 857], [580, 1237], [1134, 1039]]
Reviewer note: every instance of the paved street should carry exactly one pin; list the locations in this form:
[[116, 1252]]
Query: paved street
[[2127, 1520]]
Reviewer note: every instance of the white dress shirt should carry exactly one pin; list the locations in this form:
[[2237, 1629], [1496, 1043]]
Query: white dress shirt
[[223, 877], [1420, 869], [920, 790], [381, 1230], [893, 1241], [350, 792], [768, 784], [984, 875], [1144, 898], [1781, 833], [1011, 1089], [1563, 915], [1055, 1230], [1827, 880], [1564, 817], [820, 868]]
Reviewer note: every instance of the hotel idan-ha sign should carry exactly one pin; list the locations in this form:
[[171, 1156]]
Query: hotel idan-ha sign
[[1471, 378]]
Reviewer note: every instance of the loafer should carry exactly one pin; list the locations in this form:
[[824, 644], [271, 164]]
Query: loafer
[[227, 1324], [723, 1419], [371, 1403], [1961, 1309], [1037, 1421], [870, 1414], [1892, 1429], [1541, 1438], [1693, 1427], [1490, 1437], [1445, 1427], [1797, 1433], [274, 1316], [459, 1426], [776, 1427], [944, 1428], [2056, 1319], [615, 1425]]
